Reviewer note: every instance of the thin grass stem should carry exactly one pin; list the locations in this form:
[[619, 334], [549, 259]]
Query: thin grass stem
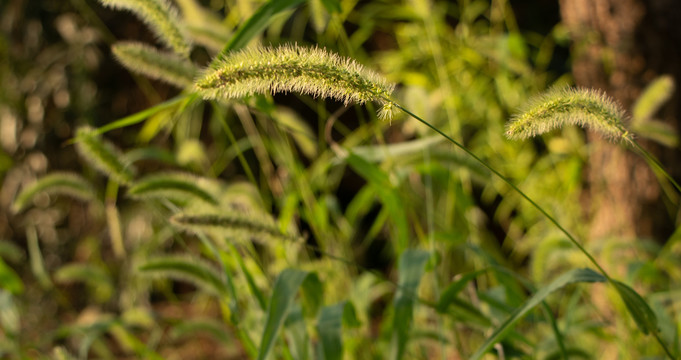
[[513, 186]]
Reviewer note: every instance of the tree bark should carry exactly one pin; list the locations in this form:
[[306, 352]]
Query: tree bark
[[620, 46]]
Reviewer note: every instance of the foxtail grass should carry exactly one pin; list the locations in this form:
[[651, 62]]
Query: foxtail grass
[[161, 18], [146, 60], [56, 183], [103, 155], [291, 68], [562, 106]]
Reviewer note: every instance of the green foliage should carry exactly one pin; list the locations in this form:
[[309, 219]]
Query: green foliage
[[411, 267], [307, 229]]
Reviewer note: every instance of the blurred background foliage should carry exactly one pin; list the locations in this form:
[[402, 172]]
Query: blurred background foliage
[[75, 275]]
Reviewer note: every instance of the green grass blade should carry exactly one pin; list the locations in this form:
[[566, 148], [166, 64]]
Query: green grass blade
[[449, 295], [285, 290], [257, 23], [329, 326], [389, 196], [9, 280], [144, 114], [60, 183], [146, 60], [191, 269], [656, 94], [638, 308], [411, 268], [250, 280], [571, 277], [103, 156], [174, 186]]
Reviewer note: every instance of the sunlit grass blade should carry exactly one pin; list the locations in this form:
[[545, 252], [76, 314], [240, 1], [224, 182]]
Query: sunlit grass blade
[[161, 18], [185, 268], [230, 224], [146, 60], [410, 269], [571, 277], [257, 23], [103, 155], [562, 106], [172, 186], [283, 294], [291, 68], [653, 97], [55, 183]]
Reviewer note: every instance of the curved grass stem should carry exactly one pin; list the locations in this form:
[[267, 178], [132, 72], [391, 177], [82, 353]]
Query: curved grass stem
[[654, 163], [514, 187], [541, 209]]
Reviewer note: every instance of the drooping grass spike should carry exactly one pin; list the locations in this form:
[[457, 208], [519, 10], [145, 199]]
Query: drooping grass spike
[[103, 155], [146, 60], [161, 17], [230, 224], [562, 106], [291, 68], [61, 183]]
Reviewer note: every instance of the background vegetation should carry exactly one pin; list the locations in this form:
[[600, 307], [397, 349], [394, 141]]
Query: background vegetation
[[335, 235]]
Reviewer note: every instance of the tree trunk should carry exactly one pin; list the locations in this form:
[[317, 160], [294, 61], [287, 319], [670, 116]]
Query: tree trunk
[[620, 46]]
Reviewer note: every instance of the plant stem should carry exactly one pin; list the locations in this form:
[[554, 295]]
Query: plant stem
[[645, 154], [654, 163], [513, 186]]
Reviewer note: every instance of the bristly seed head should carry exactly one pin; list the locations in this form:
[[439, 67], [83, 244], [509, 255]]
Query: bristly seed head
[[291, 68], [569, 106]]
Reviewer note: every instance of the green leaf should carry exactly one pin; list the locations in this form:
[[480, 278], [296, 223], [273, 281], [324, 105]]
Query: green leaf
[[191, 269], [285, 290], [411, 268], [257, 23], [638, 308], [56, 183], [449, 295], [332, 6], [571, 277], [658, 92], [9, 280], [389, 196], [312, 295], [329, 326]]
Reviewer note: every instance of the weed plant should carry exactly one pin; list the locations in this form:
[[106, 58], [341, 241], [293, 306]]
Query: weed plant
[[225, 217]]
